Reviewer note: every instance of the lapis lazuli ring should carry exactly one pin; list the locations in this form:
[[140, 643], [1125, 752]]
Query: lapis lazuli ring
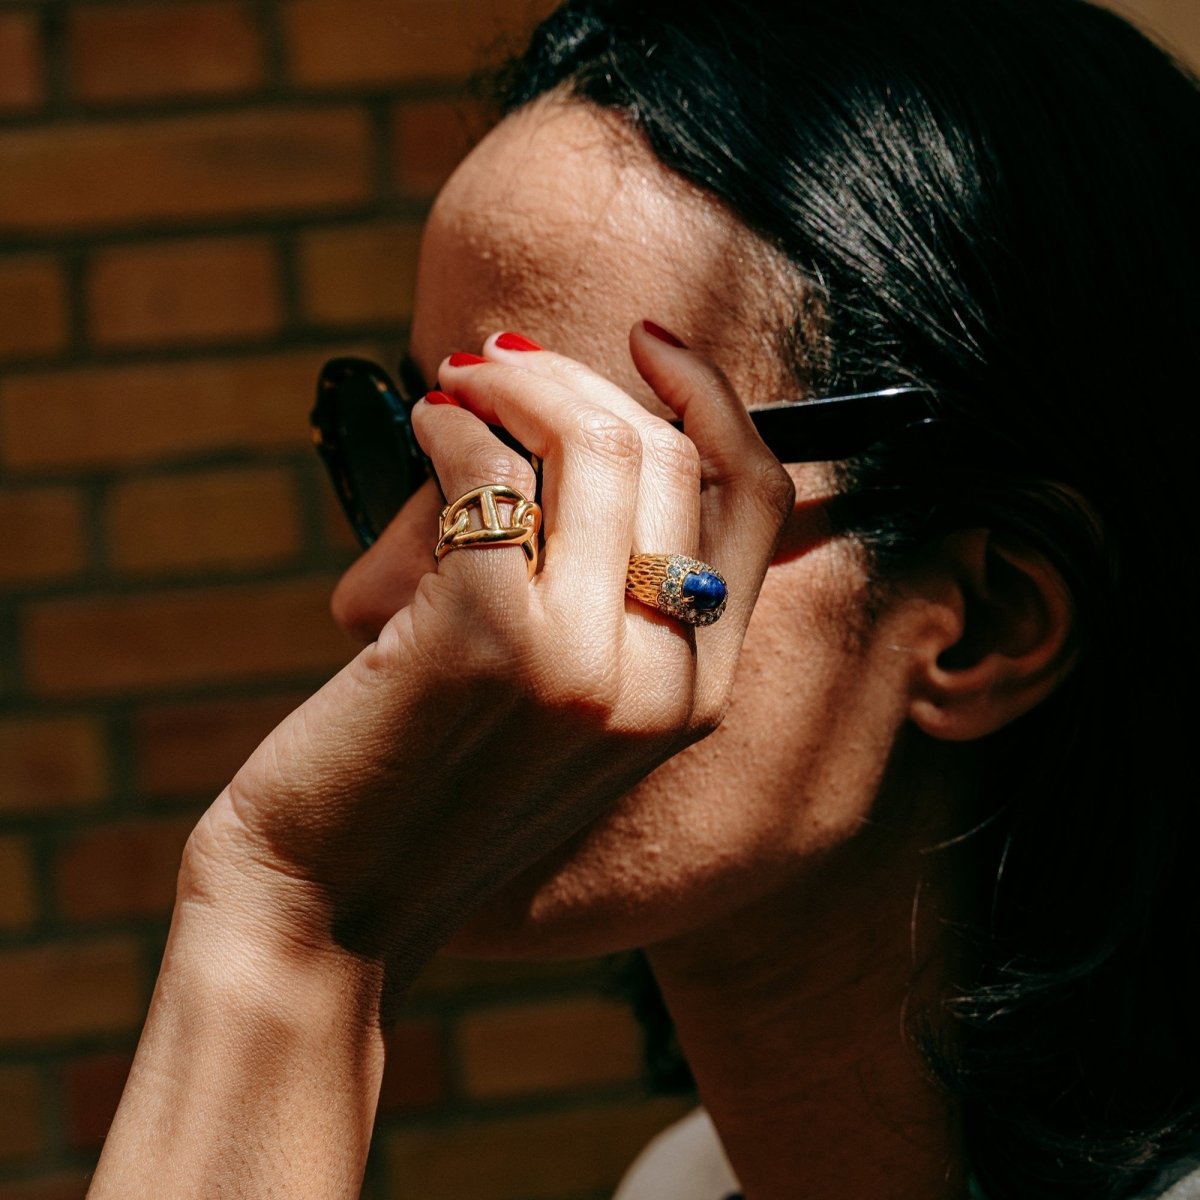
[[680, 587]]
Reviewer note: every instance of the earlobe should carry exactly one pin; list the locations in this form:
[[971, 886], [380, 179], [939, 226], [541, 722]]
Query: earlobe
[[1006, 642]]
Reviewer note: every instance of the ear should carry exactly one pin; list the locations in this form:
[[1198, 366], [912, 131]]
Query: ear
[[996, 639]]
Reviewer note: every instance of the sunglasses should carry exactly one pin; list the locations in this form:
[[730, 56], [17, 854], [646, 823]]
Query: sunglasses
[[362, 429]]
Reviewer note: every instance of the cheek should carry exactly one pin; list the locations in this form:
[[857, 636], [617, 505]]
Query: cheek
[[789, 775]]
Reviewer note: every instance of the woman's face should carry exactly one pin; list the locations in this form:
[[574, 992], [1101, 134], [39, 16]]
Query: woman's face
[[563, 226]]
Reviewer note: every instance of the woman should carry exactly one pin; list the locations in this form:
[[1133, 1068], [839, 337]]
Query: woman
[[912, 905]]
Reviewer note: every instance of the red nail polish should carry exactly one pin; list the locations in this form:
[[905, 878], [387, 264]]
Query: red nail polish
[[459, 359], [663, 335], [516, 341], [440, 398]]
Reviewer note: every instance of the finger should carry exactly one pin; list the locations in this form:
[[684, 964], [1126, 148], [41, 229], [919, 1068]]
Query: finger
[[382, 580], [746, 494], [667, 513], [658, 650], [466, 455], [591, 468], [666, 504]]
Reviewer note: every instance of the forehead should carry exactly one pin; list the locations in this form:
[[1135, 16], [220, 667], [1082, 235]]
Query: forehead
[[563, 225]]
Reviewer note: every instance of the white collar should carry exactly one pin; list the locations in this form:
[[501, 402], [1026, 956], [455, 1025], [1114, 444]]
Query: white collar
[[684, 1162]]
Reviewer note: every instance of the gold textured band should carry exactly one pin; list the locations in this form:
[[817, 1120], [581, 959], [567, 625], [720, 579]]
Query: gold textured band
[[678, 586], [475, 521]]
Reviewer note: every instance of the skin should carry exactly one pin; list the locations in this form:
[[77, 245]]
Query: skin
[[700, 861], [562, 791], [528, 236]]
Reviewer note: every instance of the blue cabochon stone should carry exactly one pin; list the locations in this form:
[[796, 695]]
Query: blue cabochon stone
[[704, 590]]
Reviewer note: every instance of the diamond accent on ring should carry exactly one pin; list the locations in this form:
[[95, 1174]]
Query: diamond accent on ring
[[678, 586]]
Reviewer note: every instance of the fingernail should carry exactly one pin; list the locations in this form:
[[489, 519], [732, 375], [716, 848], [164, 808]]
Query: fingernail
[[460, 359], [663, 335], [440, 398], [516, 341]]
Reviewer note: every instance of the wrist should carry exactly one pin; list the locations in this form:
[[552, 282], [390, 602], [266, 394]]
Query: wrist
[[242, 903], [258, 1070], [247, 936]]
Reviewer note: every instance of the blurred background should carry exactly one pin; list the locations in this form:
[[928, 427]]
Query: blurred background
[[200, 201]]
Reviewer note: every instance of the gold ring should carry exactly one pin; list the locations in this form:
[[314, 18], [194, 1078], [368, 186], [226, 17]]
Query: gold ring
[[684, 588], [475, 521]]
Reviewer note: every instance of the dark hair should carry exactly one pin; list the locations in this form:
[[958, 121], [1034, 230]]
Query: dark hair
[[997, 199]]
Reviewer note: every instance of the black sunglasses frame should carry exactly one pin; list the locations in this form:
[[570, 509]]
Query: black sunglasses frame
[[825, 429]]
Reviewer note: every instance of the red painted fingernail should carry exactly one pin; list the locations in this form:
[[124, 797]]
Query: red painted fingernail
[[663, 335], [516, 341], [459, 359], [440, 398]]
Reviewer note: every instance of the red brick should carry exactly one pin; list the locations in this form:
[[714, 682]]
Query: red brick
[[33, 299], [123, 870], [414, 1077], [152, 50], [43, 535], [22, 1130], [260, 631], [564, 1045], [62, 1185], [66, 991], [92, 1089], [196, 290], [366, 273], [188, 749], [213, 519], [538, 1157], [429, 139], [51, 763], [21, 74], [97, 174], [18, 905], [108, 416], [367, 42]]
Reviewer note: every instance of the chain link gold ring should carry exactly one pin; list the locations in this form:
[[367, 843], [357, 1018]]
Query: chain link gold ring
[[494, 515]]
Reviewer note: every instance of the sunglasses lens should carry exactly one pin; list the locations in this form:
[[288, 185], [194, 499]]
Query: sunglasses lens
[[376, 463]]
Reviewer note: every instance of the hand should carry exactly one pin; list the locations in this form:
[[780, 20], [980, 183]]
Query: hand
[[495, 715]]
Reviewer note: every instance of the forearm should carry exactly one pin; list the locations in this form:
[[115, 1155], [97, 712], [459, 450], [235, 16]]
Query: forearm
[[257, 1075]]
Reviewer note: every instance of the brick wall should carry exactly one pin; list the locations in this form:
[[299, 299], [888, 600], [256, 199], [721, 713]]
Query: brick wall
[[200, 201]]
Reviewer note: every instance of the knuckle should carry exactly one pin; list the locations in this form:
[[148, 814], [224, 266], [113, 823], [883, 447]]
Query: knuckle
[[657, 699], [605, 436], [569, 372], [584, 679], [773, 485], [672, 452], [494, 464]]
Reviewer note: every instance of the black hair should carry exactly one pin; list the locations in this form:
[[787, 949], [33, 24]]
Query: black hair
[[997, 199]]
